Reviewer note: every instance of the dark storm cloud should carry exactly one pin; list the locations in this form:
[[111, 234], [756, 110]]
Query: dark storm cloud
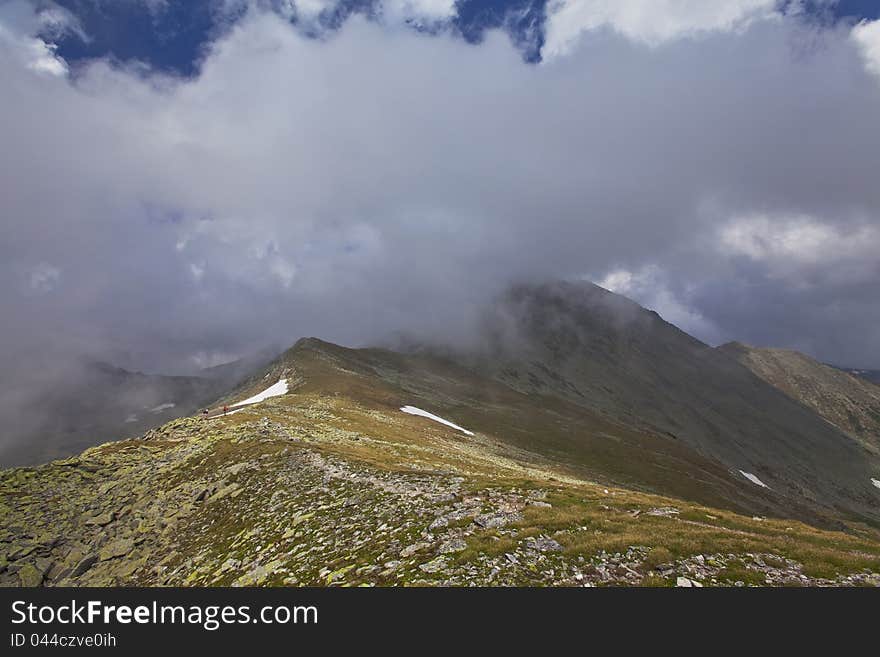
[[382, 181]]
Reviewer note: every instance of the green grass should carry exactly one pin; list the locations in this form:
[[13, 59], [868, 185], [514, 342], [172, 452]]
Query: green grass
[[362, 427]]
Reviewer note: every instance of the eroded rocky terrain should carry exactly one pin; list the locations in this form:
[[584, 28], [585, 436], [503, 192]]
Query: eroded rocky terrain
[[317, 490]]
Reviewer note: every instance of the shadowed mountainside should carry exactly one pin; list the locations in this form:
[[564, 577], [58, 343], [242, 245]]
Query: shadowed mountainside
[[330, 483], [88, 402], [588, 442], [847, 401], [605, 353]]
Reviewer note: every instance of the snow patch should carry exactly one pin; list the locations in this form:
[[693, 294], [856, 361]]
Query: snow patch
[[753, 479], [412, 410], [162, 407], [876, 482], [131, 418], [275, 390]]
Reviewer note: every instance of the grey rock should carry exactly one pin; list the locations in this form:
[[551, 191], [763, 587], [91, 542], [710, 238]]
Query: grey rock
[[495, 520], [117, 548], [453, 545], [543, 544], [433, 566], [410, 550], [30, 576], [684, 582], [84, 564]]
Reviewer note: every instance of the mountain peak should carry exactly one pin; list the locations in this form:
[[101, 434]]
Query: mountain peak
[[596, 413]]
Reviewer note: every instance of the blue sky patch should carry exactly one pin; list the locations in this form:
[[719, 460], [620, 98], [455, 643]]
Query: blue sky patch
[[173, 38]]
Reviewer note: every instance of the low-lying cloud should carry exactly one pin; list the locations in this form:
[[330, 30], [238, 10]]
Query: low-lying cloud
[[380, 180]]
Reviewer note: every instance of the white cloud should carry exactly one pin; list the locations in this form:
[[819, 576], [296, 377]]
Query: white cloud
[[197, 269], [426, 10], [26, 35], [305, 10], [867, 35], [392, 12], [41, 57], [55, 21], [283, 270], [381, 180], [205, 359], [43, 278], [619, 280], [649, 286], [647, 21], [32, 52], [314, 7], [798, 240], [806, 252]]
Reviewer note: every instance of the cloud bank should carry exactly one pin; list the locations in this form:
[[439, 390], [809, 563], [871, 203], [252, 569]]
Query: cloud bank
[[651, 22], [381, 180], [867, 35]]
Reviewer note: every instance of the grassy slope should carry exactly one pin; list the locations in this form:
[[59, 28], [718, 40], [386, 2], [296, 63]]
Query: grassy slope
[[331, 484], [849, 402], [608, 355]]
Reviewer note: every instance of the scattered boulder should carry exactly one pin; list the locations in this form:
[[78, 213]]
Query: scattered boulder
[[438, 523], [543, 544], [497, 519], [410, 550], [117, 548], [84, 564], [101, 520], [684, 582], [452, 545], [434, 565], [30, 576]]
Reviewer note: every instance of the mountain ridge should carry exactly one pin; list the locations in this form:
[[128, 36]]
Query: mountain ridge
[[337, 485], [848, 402], [606, 353], [518, 463]]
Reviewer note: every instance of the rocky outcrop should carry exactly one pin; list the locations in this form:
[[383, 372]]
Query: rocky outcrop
[[332, 485]]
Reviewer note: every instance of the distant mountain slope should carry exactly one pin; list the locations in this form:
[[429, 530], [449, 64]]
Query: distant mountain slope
[[605, 353], [572, 437], [236, 371], [869, 375], [812, 470], [90, 402], [845, 400], [335, 482]]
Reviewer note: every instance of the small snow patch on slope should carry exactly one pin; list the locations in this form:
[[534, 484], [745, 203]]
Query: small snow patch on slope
[[162, 407], [412, 410], [876, 482], [279, 388], [753, 479]]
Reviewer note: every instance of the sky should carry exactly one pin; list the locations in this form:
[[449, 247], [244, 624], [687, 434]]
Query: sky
[[182, 183]]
